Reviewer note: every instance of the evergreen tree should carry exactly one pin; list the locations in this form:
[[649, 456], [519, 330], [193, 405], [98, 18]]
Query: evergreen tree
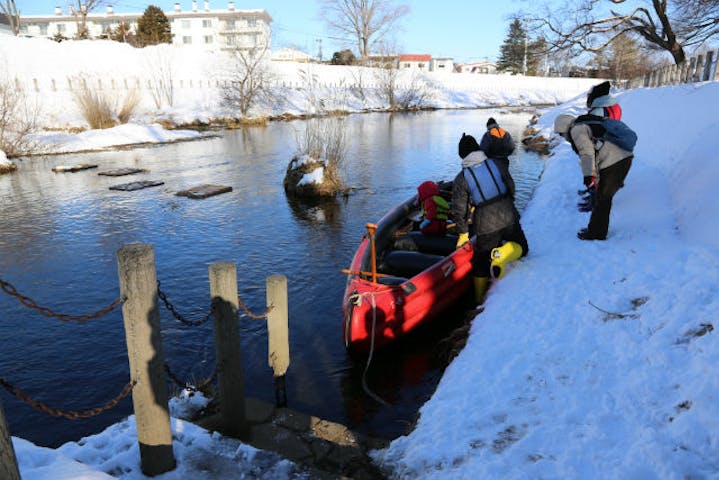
[[511, 52], [153, 27]]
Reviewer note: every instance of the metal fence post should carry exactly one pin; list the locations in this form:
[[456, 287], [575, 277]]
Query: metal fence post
[[8, 461], [138, 284], [223, 290]]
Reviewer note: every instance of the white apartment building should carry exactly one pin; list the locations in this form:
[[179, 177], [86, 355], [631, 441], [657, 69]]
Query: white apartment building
[[225, 29]]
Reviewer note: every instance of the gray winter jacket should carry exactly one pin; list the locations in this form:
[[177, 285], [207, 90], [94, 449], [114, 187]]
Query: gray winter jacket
[[487, 218], [594, 155]]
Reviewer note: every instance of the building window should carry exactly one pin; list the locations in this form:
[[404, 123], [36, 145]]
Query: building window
[[43, 29], [186, 24], [60, 28], [187, 40], [251, 22], [231, 40], [420, 65], [230, 25], [206, 23], [208, 39], [407, 65]]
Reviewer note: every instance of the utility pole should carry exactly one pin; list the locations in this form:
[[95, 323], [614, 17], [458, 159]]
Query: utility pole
[[524, 63], [319, 54]]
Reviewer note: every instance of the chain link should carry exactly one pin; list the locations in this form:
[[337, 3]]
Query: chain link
[[30, 303], [253, 315], [71, 415], [178, 316], [188, 385]]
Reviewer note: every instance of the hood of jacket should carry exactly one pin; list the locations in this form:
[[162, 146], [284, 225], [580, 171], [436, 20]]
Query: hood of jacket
[[474, 158], [427, 189]]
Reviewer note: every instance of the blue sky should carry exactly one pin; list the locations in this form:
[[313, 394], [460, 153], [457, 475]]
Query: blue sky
[[466, 30]]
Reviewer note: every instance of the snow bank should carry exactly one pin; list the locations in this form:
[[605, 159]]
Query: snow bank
[[595, 359]]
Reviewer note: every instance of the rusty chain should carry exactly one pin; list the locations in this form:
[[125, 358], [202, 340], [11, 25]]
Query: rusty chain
[[30, 303], [178, 316], [250, 314], [188, 385], [71, 415]]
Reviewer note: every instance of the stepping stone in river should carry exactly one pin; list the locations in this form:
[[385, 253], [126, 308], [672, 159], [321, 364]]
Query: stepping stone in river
[[72, 168], [128, 187], [204, 191], [122, 171]]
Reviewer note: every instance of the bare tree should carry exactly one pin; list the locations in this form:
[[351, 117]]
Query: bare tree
[[79, 10], [9, 8], [18, 120], [666, 25], [363, 22], [249, 78], [386, 74], [159, 61]]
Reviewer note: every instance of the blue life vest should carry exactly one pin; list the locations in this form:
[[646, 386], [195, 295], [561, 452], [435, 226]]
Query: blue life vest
[[485, 182]]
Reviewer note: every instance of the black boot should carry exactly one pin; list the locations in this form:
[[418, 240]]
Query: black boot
[[585, 234]]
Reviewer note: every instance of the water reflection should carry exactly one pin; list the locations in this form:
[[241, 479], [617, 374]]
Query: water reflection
[[59, 234]]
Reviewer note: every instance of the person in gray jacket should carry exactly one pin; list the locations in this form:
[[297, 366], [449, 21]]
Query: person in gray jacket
[[481, 191], [604, 167]]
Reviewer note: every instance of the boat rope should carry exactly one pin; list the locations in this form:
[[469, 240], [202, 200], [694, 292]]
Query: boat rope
[[369, 357]]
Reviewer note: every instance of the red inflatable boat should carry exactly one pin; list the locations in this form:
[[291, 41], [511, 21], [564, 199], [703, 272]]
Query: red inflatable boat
[[410, 279]]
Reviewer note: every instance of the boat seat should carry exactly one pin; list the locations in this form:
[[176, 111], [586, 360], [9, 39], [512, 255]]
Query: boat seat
[[419, 242], [391, 281], [407, 264]]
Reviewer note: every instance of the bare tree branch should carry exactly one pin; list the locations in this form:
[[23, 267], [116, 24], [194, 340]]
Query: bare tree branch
[[669, 25], [10, 10], [362, 22]]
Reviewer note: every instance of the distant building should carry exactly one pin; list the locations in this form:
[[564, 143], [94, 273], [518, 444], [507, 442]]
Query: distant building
[[441, 65], [290, 55], [477, 67], [414, 61], [212, 29]]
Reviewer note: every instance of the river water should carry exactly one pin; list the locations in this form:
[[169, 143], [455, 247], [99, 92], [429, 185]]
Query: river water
[[59, 234]]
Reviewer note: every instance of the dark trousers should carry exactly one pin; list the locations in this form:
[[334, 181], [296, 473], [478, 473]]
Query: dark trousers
[[611, 179], [484, 244]]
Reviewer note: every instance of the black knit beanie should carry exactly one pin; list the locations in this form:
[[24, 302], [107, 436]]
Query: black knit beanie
[[598, 91], [467, 145], [492, 123]]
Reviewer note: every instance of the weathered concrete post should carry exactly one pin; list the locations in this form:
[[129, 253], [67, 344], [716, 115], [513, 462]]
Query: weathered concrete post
[[708, 66], [278, 334], [138, 284], [716, 68], [697, 74], [223, 290], [278, 325], [8, 460]]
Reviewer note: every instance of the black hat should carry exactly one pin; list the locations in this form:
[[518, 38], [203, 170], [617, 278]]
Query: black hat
[[467, 145], [598, 91], [492, 123]]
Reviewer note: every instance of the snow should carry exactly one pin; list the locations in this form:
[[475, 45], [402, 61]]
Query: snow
[[315, 176], [590, 359]]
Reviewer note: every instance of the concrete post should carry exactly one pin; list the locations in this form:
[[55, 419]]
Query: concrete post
[[138, 284], [8, 461], [278, 325], [706, 75], [223, 290], [716, 67], [697, 74]]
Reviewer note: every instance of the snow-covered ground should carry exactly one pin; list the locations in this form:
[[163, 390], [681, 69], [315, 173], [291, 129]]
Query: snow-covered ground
[[590, 360]]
